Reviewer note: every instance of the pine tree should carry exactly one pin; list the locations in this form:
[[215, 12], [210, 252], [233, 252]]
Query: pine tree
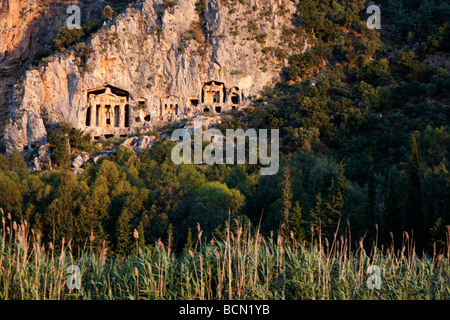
[[93, 213], [124, 232], [392, 220], [296, 223], [317, 214], [414, 218], [334, 204], [17, 164], [371, 199], [60, 148], [60, 216], [287, 204]]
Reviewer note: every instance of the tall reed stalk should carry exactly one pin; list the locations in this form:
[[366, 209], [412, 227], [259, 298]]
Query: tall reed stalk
[[244, 265]]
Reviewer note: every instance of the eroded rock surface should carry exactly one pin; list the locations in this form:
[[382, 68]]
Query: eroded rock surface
[[27, 28], [171, 62]]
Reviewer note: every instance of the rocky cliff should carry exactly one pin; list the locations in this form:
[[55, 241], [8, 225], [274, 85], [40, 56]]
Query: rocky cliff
[[27, 28], [155, 51]]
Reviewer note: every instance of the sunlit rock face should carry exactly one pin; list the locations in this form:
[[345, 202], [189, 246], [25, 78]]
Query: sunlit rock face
[[152, 65]]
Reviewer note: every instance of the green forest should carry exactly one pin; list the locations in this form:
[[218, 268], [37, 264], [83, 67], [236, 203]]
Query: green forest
[[365, 136]]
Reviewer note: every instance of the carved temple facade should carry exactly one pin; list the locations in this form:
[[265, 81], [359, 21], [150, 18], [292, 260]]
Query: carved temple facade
[[113, 112], [108, 112]]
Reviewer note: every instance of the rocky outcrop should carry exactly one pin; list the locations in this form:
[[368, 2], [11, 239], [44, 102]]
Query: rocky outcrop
[[138, 144], [79, 161], [27, 28], [155, 53]]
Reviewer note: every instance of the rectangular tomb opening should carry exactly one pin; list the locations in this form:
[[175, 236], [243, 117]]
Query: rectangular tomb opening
[[127, 116], [108, 115], [234, 98], [88, 116], [97, 116]]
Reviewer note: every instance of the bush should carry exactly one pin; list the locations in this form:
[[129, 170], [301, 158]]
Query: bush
[[301, 64], [108, 12], [66, 37], [80, 141], [169, 4]]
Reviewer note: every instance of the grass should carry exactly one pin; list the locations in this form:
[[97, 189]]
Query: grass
[[244, 265]]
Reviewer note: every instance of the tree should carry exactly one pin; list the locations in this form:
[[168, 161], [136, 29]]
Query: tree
[[334, 204], [169, 4], [124, 232], [17, 164], [94, 212], [287, 205], [317, 215], [392, 221], [371, 197], [62, 210], [108, 12], [300, 65], [211, 205], [237, 178], [414, 217], [170, 240], [10, 194], [60, 148]]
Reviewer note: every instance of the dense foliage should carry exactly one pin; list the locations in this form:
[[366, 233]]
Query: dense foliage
[[376, 102]]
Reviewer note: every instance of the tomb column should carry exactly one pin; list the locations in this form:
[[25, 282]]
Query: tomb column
[[122, 114], [93, 114], [102, 116]]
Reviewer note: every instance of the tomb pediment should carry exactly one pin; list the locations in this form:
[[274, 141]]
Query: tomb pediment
[[107, 98], [109, 89]]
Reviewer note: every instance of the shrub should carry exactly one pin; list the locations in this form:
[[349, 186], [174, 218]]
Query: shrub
[[108, 12], [169, 4], [66, 37], [59, 147], [301, 64]]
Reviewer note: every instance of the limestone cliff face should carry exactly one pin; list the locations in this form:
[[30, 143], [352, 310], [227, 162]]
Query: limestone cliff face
[[159, 55], [17, 45], [27, 28]]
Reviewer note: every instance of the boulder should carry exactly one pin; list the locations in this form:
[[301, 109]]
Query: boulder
[[130, 142], [78, 162], [144, 142]]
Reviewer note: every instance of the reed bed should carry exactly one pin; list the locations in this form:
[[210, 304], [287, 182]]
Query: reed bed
[[245, 265]]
